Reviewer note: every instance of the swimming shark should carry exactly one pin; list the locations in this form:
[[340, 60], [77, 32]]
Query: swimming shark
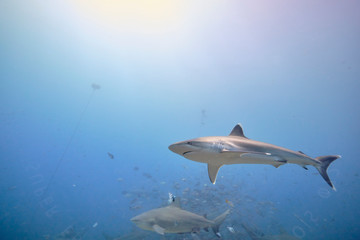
[[237, 149], [173, 219]]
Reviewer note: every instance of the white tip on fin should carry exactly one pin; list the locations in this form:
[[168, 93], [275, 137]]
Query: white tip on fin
[[159, 229], [212, 171]]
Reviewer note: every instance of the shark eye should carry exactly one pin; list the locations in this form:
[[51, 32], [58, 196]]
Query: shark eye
[[190, 143]]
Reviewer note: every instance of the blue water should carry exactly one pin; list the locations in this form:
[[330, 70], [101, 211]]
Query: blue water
[[287, 71]]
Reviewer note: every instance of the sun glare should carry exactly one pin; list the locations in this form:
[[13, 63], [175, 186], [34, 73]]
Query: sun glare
[[136, 15]]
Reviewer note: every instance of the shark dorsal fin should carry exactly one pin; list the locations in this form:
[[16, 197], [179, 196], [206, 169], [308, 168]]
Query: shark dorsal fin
[[237, 131], [175, 202]]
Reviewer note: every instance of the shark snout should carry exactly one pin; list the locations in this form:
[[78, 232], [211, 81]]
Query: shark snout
[[135, 219], [179, 148]]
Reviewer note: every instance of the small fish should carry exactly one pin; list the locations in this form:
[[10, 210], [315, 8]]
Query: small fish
[[110, 155], [230, 203], [231, 229], [171, 198], [95, 225]]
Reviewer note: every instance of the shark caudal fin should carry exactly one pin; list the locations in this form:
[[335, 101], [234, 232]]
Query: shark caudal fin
[[218, 221], [323, 166]]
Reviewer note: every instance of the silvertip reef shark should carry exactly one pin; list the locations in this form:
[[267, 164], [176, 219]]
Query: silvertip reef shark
[[173, 219], [237, 149]]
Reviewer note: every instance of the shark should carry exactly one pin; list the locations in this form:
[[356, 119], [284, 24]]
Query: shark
[[236, 148], [173, 219]]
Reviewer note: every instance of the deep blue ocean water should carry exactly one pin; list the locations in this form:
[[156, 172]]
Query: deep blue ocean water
[[288, 71]]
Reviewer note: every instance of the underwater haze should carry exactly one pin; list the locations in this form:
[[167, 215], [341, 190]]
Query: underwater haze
[[93, 93]]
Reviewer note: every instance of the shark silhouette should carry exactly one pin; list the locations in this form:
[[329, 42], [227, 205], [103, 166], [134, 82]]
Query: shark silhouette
[[173, 219], [237, 149]]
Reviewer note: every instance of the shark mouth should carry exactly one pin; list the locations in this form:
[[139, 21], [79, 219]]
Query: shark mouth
[[186, 153]]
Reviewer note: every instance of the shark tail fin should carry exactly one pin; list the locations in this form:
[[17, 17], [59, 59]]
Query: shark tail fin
[[218, 221], [325, 162]]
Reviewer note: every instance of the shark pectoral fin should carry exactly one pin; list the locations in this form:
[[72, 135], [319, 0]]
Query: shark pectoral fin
[[158, 229], [212, 171]]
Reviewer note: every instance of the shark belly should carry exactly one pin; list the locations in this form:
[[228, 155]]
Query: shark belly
[[202, 157]]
